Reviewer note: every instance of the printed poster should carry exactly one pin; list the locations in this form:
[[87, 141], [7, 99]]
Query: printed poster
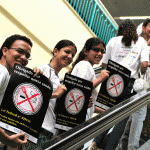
[[25, 102], [111, 91], [72, 106]]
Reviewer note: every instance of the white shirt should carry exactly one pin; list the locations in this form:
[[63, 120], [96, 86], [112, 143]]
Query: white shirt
[[149, 51], [130, 57], [50, 118], [139, 29], [4, 79], [148, 68], [84, 70]]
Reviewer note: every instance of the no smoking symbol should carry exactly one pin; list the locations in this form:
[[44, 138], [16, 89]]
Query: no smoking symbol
[[115, 85], [74, 101], [27, 98]]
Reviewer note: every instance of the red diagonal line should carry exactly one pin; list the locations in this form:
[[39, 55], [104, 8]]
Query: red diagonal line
[[115, 85], [28, 99], [74, 102], [31, 105], [113, 79]]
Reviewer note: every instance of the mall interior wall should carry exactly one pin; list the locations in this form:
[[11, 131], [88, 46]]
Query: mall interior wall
[[45, 22]]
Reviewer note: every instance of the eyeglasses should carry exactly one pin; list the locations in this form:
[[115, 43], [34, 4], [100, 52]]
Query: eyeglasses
[[22, 52], [99, 49]]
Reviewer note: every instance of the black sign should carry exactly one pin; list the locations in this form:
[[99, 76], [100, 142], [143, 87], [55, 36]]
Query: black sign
[[112, 89], [72, 106], [25, 102]]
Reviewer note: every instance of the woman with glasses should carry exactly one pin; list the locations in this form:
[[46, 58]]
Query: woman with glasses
[[91, 54]]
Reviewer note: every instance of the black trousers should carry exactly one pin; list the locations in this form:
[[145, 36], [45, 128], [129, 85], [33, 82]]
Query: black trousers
[[118, 130]]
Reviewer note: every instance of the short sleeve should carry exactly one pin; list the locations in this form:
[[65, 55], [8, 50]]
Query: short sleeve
[[107, 55], [4, 78], [49, 72], [144, 56], [45, 69], [83, 70]]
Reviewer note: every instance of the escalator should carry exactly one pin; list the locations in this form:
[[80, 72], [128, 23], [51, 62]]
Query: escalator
[[86, 131]]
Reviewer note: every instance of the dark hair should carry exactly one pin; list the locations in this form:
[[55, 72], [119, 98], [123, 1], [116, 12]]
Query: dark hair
[[89, 44], [10, 40], [145, 23], [127, 29], [64, 43]]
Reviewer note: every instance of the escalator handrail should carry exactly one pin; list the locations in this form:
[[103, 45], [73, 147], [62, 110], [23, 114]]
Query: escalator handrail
[[99, 123]]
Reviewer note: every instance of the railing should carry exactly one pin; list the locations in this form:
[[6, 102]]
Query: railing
[[84, 132], [96, 17]]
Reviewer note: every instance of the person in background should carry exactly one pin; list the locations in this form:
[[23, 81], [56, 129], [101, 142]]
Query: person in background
[[130, 51], [15, 49], [138, 117], [63, 55], [145, 28]]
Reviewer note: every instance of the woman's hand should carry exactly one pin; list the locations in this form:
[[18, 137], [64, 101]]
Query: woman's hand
[[59, 92], [148, 42], [37, 71], [98, 110], [14, 141], [104, 75], [90, 102]]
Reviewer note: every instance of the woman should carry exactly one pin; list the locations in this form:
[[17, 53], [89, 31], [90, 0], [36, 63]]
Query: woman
[[63, 54], [130, 51], [91, 54], [146, 35]]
